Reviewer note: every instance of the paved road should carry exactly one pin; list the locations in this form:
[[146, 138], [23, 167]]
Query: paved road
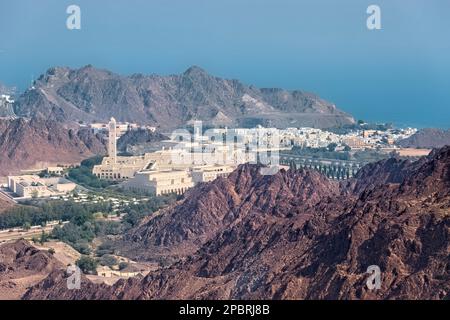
[[7, 236]]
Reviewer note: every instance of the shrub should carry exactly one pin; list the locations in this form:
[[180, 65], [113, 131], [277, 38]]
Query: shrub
[[87, 264], [108, 260], [123, 265], [105, 248]]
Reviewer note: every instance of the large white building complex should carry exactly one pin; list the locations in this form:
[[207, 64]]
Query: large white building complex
[[187, 159], [172, 170]]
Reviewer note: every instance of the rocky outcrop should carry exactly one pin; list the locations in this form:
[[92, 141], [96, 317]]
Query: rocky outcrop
[[25, 144], [139, 137], [427, 138], [210, 209], [171, 102], [21, 266]]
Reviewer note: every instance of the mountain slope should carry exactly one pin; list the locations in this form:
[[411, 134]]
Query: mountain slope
[[212, 208], [22, 265], [427, 138], [25, 144], [297, 236], [171, 101], [139, 137]]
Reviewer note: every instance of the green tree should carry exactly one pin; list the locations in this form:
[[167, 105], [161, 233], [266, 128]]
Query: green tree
[[108, 260], [44, 237], [87, 264], [123, 265]]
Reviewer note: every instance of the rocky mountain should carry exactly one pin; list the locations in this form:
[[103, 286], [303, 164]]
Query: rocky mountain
[[427, 138], [170, 102], [212, 208], [295, 235], [25, 144], [139, 137], [21, 266]]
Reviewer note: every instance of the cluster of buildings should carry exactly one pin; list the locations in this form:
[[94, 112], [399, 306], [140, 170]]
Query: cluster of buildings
[[359, 139], [33, 186], [376, 138], [121, 128], [317, 138], [185, 161], [188, 159]]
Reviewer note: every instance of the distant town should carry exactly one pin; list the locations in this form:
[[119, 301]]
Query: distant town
[[159, 172]]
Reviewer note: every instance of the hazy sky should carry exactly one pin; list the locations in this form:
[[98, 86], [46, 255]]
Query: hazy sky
[[400, 73]]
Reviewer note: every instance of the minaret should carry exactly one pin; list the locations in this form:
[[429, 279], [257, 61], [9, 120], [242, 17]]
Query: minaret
[[112, 143]]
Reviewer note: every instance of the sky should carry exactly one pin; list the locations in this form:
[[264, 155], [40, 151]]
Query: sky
[[398, 74]]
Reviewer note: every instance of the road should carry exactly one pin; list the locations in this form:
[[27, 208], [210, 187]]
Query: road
[[17, 234]]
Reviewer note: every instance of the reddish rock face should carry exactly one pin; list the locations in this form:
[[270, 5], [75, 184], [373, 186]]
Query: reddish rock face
[[21, 266], [427, 138], [24, 144], [212, 208], [295, 235]]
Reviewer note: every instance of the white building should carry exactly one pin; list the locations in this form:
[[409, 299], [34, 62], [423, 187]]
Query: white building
[[121, 127], [31, 186], [210, 173], [160, 182]]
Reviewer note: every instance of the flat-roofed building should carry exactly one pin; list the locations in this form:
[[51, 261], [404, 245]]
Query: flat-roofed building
[[160, 182], [123, 168], [32, 186], [119, 168], [210, 173], [354, 142]]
